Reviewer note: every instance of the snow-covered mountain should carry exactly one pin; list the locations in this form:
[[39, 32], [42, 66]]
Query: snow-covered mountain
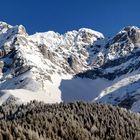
[[78, 65], [118, 64], [34, 66]]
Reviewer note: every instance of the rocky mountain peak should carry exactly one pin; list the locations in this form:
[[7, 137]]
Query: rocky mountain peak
[[129, 33], [88, 36], [21, 30], [4, 27]]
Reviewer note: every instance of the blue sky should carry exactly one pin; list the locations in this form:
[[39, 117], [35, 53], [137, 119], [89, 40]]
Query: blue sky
[[106, 16]]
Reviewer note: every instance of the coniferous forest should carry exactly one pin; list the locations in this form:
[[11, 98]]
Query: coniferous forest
[[67, 121]]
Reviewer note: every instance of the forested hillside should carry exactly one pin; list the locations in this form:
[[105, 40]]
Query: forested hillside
[[67, 121]]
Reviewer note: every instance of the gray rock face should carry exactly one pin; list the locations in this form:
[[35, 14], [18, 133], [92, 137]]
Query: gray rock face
[[121, 49]]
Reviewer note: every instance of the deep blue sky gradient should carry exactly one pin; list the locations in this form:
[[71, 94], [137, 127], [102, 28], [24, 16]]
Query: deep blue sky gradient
[[106, 16]]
